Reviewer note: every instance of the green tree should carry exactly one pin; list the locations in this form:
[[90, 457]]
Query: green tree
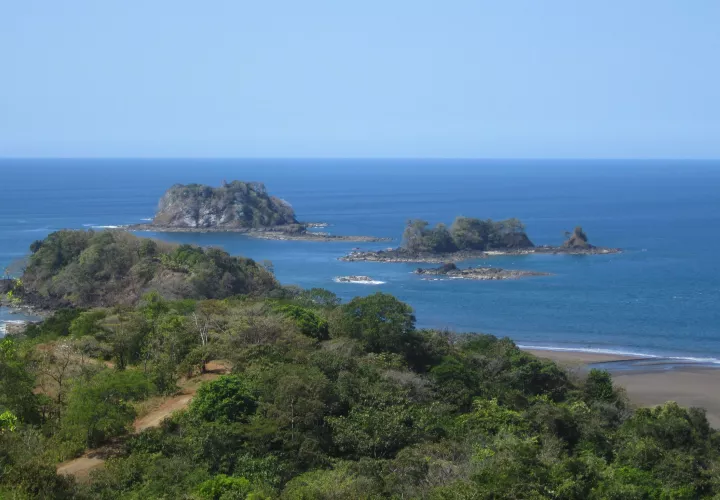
[[101, 408], [227, 399], [382, 323]]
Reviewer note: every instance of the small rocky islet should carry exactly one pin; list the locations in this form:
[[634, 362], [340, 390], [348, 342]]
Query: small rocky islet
[[235, 207], [451, 271]]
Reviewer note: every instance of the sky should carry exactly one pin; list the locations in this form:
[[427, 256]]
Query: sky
[[370, 78]]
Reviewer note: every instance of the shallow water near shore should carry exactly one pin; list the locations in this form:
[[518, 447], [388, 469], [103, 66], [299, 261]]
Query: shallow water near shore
[[658, 298]]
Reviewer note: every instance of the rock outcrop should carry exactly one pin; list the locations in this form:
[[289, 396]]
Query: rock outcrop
[[577, 240], [451, 271], [237, 205]]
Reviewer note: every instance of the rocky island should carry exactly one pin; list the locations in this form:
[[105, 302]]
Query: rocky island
[[468, 239], [239, 207], [451, 271]]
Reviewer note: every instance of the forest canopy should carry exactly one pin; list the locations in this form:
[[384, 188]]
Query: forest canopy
[[465, 233], [88, 268], [319, 399]]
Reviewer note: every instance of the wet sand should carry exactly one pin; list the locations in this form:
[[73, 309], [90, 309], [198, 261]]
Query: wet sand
[[575, 358], [651, 382]]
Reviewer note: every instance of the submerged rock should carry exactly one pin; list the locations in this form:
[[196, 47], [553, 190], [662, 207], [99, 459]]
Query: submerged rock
[[477, 273]]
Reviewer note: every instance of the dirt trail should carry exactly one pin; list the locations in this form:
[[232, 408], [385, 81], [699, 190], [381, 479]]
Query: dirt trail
[[81, 467], [155, 417]]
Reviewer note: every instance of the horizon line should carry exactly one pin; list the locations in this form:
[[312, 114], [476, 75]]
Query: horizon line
[[359, 158]]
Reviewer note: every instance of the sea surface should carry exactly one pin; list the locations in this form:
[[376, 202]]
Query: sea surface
[[660, 297]]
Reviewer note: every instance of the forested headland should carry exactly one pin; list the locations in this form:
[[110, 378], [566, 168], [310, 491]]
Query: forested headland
[[315, 399]]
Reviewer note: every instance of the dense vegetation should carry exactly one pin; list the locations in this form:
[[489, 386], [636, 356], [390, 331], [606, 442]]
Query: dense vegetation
[[87, 268], [233, 205], [326, 401], [464, 234]]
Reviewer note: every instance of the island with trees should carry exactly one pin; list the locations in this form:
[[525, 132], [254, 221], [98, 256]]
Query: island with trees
[[141, 386], [468, 238], [240, 207]]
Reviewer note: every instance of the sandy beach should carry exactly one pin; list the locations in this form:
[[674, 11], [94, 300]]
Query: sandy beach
[[654, 383]]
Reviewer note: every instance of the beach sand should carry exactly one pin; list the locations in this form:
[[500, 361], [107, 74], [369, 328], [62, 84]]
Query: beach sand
[[688, 385]]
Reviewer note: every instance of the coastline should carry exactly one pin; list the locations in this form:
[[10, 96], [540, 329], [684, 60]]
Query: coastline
[[266, 234], [398, 255], [651, 381]]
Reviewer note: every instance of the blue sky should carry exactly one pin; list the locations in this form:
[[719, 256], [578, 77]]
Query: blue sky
[[371, 78]]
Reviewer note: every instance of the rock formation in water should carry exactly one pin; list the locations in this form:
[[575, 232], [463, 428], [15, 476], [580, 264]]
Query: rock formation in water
[[450, 270], [577, 240], [237, 205]]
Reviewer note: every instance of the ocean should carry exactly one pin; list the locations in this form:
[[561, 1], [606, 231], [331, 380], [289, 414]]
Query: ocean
[[659, 297]]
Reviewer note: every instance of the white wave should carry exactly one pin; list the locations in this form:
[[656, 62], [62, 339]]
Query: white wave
[[89, 225], [360, 282], [148, 219], [616, 352], [107, 227]]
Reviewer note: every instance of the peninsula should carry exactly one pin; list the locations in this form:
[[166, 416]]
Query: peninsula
[[451, 271], [468, 239], [239, 207]]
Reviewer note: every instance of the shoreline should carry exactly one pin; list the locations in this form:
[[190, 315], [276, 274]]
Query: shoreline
[[651, 380], [398, 255], [266, 234]]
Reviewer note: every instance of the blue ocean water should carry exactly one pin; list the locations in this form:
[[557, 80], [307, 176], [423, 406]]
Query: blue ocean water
[[659, 297]]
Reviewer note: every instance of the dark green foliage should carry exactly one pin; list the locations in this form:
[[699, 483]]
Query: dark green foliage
[[227, 399], [308, 322], [599, 387], [57, 325], [382, 323], [464, 234], [114, 267], [17, 383]]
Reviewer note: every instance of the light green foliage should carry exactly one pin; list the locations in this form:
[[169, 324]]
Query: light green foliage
[[223, 487], [336, 484], [100, 408], [8, 422]]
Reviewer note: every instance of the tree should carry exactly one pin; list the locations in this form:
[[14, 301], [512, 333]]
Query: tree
[[412, 239], [382, 322], [101, 407], [17, 383], [227, 399], [308, 322]]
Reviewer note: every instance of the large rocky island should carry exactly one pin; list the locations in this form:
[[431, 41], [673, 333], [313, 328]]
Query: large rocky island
[[240, 207], [468, 239]]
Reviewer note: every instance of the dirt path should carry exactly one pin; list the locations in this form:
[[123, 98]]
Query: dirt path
[[155, 417], [81, 467]]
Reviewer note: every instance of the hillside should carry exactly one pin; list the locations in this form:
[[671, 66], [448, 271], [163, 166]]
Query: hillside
[[87, 268], [324, 401], [234, 205]]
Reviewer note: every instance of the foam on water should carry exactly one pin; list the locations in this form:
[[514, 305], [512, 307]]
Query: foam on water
[[618, 352], [371, 282]]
